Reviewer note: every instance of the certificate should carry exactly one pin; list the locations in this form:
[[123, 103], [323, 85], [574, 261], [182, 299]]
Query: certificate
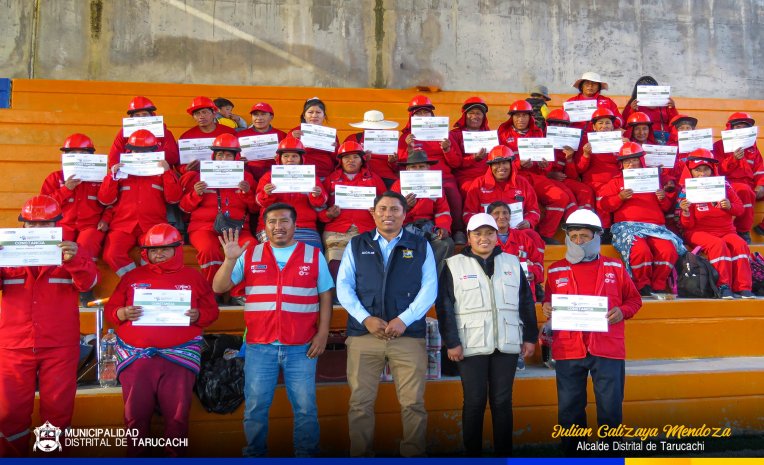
[[572, 312], [698, 139], [162, 307], [703, 190], [580, 110], [653, 96], [641, 180], [141, 164], [318, 137], [739, 138], [605, 142], [354, 197], [562, 137], [535, 149], [259, 147], [195, 149], [380, 141], [424, 184], [30, 247], [153, 124], [476, 140], [223, 174], [515, 214], [429, 127], [660, 155], [293, 178], [84, 166]]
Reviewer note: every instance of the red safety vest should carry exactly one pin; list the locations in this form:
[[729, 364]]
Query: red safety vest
[[281, 305]]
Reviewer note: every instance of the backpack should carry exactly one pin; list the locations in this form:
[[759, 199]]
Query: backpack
[[696, 277], [220, 384], [757, 273], [537, 104]]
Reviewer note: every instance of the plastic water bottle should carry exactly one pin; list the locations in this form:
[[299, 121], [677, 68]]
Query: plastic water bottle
[[107, 367]]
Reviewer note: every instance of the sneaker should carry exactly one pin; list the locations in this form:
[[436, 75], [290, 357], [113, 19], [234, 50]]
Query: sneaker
[[237, 301], [460, 238], [646, 291], [606, 238], [550, 241], [758, 230], [746, 294], [726, 292], [746, 236], [520, 363]]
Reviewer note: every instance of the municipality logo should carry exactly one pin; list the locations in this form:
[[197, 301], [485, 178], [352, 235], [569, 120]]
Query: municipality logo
[[47, 438]]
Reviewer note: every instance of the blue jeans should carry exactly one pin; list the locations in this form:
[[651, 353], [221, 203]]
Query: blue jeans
[[261, 371]]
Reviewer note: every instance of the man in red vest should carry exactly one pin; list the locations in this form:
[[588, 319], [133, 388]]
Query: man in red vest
[[288, 310]]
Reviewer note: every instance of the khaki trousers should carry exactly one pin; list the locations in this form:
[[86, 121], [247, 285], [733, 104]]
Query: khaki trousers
[[408, 364]]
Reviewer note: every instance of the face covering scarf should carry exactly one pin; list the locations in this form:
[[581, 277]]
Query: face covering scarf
[[582, 253]]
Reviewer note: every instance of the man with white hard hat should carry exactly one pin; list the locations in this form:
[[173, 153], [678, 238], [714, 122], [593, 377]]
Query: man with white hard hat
[[584, 272]]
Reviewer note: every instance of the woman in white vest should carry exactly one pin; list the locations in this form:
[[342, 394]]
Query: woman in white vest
[[487, 319]]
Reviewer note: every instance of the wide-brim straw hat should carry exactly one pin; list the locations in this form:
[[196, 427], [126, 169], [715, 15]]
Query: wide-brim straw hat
[[590, 76], [374, 119]]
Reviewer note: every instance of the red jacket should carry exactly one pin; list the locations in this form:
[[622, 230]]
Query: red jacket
[[643, 207], [378, 163], [306, 205], [562, 165], [325, 162], [509, 136], [80, 206], [603, 277], [748, 170], [710, 218], [470, 168], [204, 208], [40, 305], [150, 276], [446, 160], [521, 246], [259, 167], [196, 133], [139, 200], [599, 168], [485, 190], [602, 102], [166, 144], [435, 210], [290, 312], [362, 219], [660, 116]]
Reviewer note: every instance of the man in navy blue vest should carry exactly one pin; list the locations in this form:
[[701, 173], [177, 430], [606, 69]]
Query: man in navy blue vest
[[387, 282]]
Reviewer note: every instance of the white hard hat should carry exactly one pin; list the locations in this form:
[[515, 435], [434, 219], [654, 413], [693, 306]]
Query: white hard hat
[[583, 219], [590, 76], [480, 220]]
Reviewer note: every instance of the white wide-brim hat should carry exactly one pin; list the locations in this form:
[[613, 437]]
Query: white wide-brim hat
[[374, 119], [590, 76]]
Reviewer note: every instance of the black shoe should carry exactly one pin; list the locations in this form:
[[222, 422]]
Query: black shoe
[[606, 238], [550, 241], [746, 236], [758, 230], [646, 291], [539, 292]]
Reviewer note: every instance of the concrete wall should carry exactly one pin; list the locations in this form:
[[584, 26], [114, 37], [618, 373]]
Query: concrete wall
[[700, 47]]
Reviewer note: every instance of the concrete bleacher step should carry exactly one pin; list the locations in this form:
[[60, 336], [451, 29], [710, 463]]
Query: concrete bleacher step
[[723, 392]]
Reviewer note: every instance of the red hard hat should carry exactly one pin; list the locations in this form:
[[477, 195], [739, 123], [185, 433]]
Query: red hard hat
[[558, 116], [520, 106], [350, 147], [142, 140], [161, 235], [140, 103], [678, 118], [420, 101], [199, 103], [638, 118], [500, 153], [475, 102], [40, 208], [630, 150], [262, 106], [227, 142], [701, 157], [78, 141], [290, 144], [741, 117], [602, 113]]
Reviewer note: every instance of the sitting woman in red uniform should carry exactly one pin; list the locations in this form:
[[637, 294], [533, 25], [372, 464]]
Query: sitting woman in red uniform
[[711, 227], [648, 249], [564, 166], [474, 118], [157, 365], [262, 114], [590, 87], [660, 117], [204, 205], [314, 112]]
